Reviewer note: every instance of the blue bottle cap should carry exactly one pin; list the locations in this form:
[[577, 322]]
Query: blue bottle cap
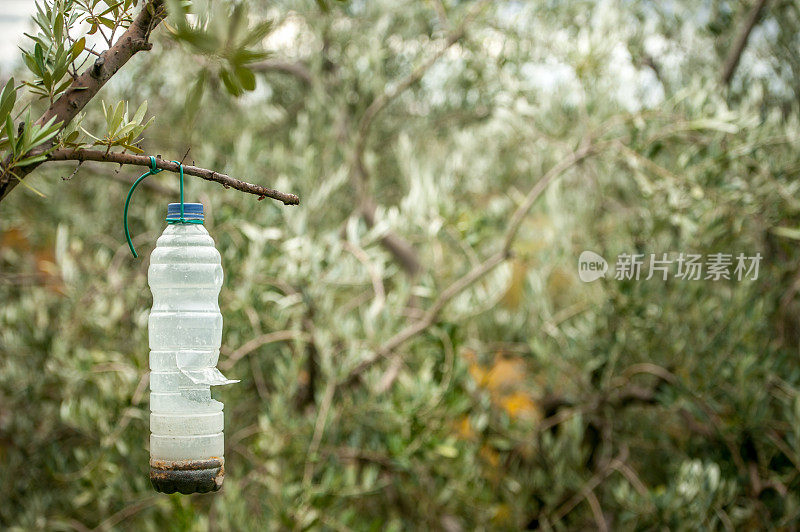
[[191, 211]]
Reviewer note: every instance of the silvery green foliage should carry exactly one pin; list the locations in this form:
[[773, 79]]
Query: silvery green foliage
[[470, 435]]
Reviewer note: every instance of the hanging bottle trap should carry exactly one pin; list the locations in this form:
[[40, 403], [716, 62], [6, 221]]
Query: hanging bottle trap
[[185, 332]]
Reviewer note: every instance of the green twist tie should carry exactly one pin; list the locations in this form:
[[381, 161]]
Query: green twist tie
[[153, 170], [182, 220]]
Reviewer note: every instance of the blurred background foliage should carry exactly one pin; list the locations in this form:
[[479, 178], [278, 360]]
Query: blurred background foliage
[[533, 400]]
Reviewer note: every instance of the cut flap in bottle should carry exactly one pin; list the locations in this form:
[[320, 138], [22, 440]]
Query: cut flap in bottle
[[200, 367], [210, 376]]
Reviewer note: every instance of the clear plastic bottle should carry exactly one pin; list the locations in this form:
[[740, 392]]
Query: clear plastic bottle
[[185, 329]]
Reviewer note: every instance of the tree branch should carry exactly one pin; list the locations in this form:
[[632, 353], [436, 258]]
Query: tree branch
[[128, 180], [400, 249], [395, 244], [298, 70], [389, 95], [143, 160], [735, 54], [255, 343], [387, 350], [87, 85], [590, 485]]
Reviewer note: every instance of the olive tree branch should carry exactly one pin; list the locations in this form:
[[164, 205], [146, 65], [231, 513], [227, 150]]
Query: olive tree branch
[[590, 485], [740, 42], [143, 160], [87, 85], [298, 69], [388, 349], [400, 249], [389, 95]]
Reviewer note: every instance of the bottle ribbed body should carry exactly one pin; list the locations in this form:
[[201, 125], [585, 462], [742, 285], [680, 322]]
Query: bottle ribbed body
[[185, 331]]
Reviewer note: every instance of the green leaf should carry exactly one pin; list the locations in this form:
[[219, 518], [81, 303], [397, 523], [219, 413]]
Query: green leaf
[[36, 89], [116, 118], [203, 42], [235, 21], [38, 56], [246, 78], [58, 27], [787, 232], [31, 160], [134, 149], [713, 124], [243, 57], [10, 133], [146, 125], [195, 94], [47, 79], [35, 39], [176, 11], [24, 183], [64, 86], [77, 48], [30, 62], [230, 83], [97, 140], [127, 128], [258, 32], [140, 112], [107, 22], [41, 134], [7, 99], [111, 8], [72, 137]]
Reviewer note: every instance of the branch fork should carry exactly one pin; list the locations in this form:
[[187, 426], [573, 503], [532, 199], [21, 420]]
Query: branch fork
[[86, 86]]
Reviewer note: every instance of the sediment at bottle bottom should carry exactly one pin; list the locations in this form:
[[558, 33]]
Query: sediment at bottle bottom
[[187, 476]]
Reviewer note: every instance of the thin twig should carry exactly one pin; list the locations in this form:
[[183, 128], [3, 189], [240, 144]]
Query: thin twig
[[597, 511], [185, 155], [127, 512], [319, 429], [589, 486], [255, 343], [377, 281]]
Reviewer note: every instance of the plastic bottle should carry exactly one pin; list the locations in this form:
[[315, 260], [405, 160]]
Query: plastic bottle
[[185, 329]]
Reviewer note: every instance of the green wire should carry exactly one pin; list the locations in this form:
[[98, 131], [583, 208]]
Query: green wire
[[171, 222], [180, 169], [182, 220], [153, 170]]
